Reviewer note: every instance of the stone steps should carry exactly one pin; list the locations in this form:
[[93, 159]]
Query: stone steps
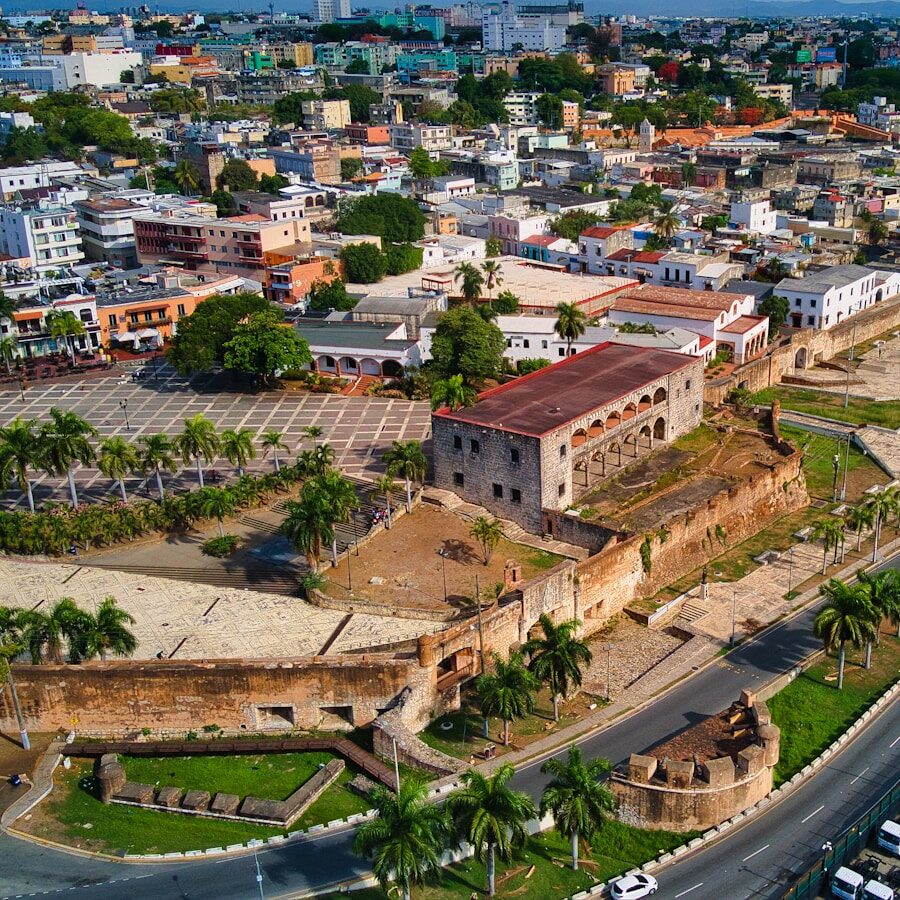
[[691, 612], [283, 581]]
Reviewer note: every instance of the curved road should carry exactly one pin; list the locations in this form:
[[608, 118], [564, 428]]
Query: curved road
[[27, 869]]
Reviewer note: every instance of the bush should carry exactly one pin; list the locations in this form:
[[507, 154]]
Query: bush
[[220, 546], [524, 366], [364, 263]]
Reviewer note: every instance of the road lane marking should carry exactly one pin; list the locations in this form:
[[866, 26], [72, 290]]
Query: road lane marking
[[895, 741], [694, 888], [755, 852], [866, 769], [813, 813]]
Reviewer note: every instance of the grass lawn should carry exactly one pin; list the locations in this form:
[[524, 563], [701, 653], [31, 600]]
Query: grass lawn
[[615, 850], [541, 560], [812, 713], [698, 440], [73, 814], [820, 403]]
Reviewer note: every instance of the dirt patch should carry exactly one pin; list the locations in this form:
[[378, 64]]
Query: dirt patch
[[16, 761], [724, 734], [635, 479], [686, 496]]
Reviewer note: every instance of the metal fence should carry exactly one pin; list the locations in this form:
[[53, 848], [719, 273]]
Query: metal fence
[[812, 882]]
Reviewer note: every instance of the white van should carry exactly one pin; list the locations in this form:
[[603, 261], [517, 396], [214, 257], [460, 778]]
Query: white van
[[846, 884], [875, 890], [889, 837]]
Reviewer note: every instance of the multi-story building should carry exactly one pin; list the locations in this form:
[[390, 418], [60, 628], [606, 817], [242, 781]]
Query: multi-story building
[[329, 10], [303, 204], [616, 80], [264, 88], [503, 30], [370, 135], [107, 230], [879, 114], [37, 175], [406, 136], [289, 282], [318, 161], [754, 216], [325, 115], [827, 170], [521, 107], [782, 93], [47, 234], [376, 56], [98, 68], [835, 208]]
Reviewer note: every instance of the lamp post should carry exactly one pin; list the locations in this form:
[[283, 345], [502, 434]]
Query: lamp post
[[440, 553], [836, 465], [123, 404], [790, 572], [733, 613], [22, 388], [609, 648], [349, 575], [846, 466], [259, 879]]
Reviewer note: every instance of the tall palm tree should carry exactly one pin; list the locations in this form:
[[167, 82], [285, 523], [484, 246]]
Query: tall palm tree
[[472, 281], [882, 589], [43, 633], [507, 692], [571, 323], [557, 657], [340, 496], [198, 441], [493, 275], [62, 442], [237, 447], [666, 224], [846, 616], [386, 487], [218, 504], [9, 350], [451, 392], [322, 458], [577, 797], [103, 632], [156, 454], [882, 506], [63, 323], [19, 450], [488, 533], [406, 460], [859, 517], [116, 459], [186, 176], [830, 531], [405, 838], [8, 306], [273, 440], [489, 815], [309, 525], [314, 432]]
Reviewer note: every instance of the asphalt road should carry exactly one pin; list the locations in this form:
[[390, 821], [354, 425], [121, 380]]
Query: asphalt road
[[29, 870]]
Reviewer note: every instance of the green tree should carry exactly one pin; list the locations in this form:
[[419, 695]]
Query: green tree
[[63, 323], [830, 531], [470, 279], [526, 366], [405, 838], [488, 533], [577, 797], [19, 451], [156, 454], [571, 225], [394, 218], [406, 460], [881, 591], [236, 445], [386, 487], [666, 224], [324, 295], [506, 303], [272, 184], [197, 441], [264, 346], [557, 657], [507, 692], [218, 504], [882, 506], [464, 344], [451, 392], [493, 276], [490, 816], [236, 175], [364, 263], [224, 203], [402, 258], [776, 308], [859, 517], [351, 166], [493, 247], [44, 633], [62, 442], [846, 616], [357, 66], [273, 440], [571, 323], [115, 459], [308, 525], [9, 350], [288, 108], [186, 177], [103, 632], [423, 166]]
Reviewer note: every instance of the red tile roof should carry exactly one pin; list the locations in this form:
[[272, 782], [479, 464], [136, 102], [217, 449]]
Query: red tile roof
[[600, 231], [743, 324]]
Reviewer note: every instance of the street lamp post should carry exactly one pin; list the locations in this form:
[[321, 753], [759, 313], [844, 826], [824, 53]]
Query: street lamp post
[[827, 847], [790, 572], [443, 570], [609, 648], [124, 406], [846, 466], [733, 613], [259, 879], [836, 465]]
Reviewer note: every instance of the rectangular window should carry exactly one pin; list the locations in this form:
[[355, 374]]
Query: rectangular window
[[498, 491], [797, 303], [514, 455], [515, 495], [112, 321], [543, 345], [562, 351], [458, 480], [181, 311], [134, 318], [687, 384], [457, 442], [561, 489], [526, 344], [810, 320], [148, 316], [562, 450], [474, 446]]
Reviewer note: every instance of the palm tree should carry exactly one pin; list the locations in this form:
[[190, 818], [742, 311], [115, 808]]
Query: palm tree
[[472, 281], [186, 176], [313, 431], [237, 447], [488, 533], [405, 837], [493, 275], [451, 392], [198, 440], [881, 590], [8, 306], [577, 797], [571, 323], [9, 350], [103, 633], [62, 442], [116, 459], [557, 657], [43, 633], [846, 616], [386, 487], [19, 450], [309, 525], [156, 454], [490, 816], [406, 460], [63, 323], [830, 531], [322, 458], [859, 517], [217, 503], [666, 224], [341, 497], [507, 692], [273, 440], [882, 506]]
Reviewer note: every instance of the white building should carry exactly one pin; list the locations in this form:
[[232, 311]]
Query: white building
[[879, 114], [521, 107], [512, 230], [755, 217], [329, 10], [451, 250], [49, 236], [97, 69], [107, 230], [406, 136], [502, 30], [822, 299]]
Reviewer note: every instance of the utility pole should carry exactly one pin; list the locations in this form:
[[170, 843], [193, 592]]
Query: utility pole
[[854, 312], [480, 627], [262, 896], [396, 764], [23, 731]]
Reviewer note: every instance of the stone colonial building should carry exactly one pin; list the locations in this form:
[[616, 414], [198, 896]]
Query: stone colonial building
[[517, 449]]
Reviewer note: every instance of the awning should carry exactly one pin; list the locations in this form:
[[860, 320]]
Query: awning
[[148, 333], [125, 336]]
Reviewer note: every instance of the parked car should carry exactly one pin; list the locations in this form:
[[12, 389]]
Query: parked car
[[632, 887]]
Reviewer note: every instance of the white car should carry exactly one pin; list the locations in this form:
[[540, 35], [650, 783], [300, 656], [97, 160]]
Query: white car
[[633, 886]]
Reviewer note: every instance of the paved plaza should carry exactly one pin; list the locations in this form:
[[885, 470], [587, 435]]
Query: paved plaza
[[183, 620], [359, 428]]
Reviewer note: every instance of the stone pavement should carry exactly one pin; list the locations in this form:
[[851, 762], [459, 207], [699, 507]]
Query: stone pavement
[[883, 446], [359, 428], [197, 621]]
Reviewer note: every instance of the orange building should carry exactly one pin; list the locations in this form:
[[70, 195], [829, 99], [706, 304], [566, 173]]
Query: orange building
[[289, 280]]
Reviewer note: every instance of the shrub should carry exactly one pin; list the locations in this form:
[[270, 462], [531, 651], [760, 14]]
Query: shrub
[[220, 546]]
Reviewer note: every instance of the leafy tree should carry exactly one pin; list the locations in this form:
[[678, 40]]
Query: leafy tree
[[351, 166], [103, 633], [386, 487], [364, 263], [199, 345], [272, 184], [264, 346], [115, 460], [577, 797], [507, 692], [525, 366], [423, 166], [236, 445], [470, 279], [357, 66], [218, 504], [571, 323], [273, 440], [197, 441], [549, 109], [464, 344], [488, 533], [557, 657], [176, 100], [846, 616], [186, 177], [402, 258], [236, 175], [451, 392], [360, 97], [490, 816], [324, 295], [224, 203], [394, 218], [666, 224], [777, 309], [570, 225], [63, 323], [493, 247], [288, 108], [19, 451], [62, 442], [157, 453], [506, 303], [406, 460], [405, 837]]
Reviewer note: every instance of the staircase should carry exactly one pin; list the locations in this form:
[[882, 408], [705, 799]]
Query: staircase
[[691, 612], [284, 580]]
